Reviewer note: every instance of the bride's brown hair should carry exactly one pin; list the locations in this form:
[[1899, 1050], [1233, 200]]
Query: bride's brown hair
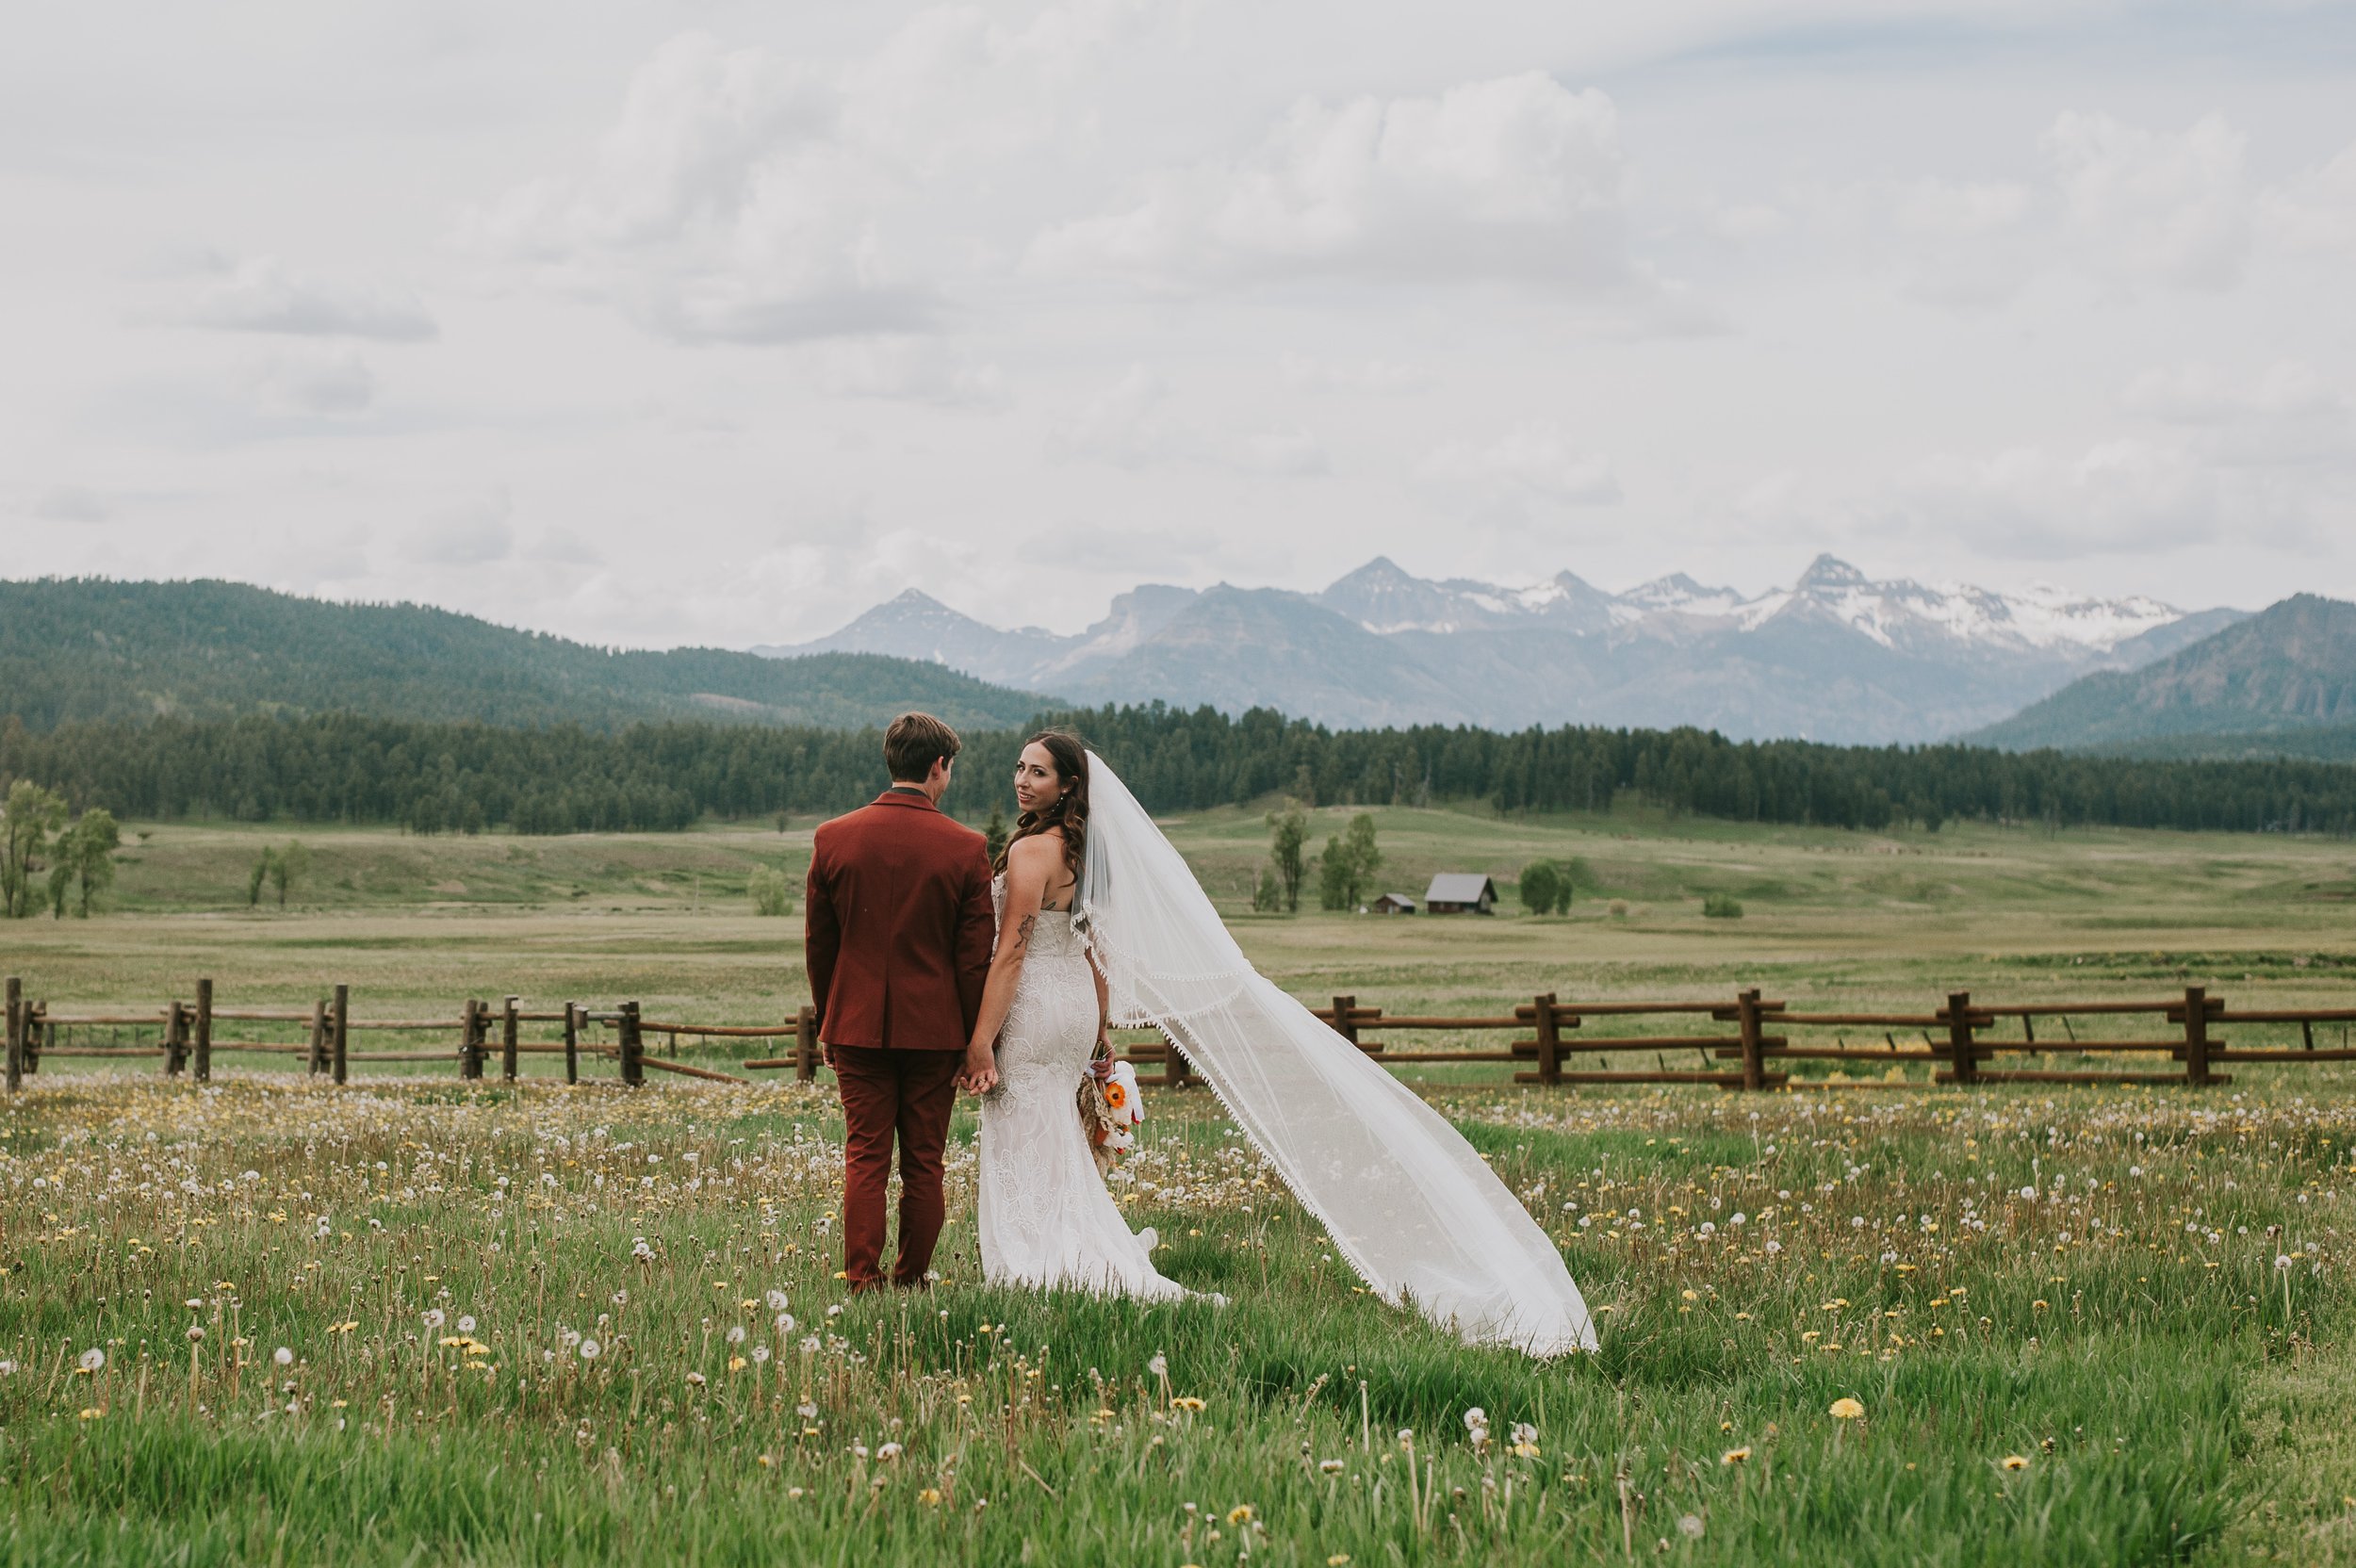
[[1071, 810]]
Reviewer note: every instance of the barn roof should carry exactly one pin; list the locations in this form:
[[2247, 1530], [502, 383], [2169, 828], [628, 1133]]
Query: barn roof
[[1459, 886]]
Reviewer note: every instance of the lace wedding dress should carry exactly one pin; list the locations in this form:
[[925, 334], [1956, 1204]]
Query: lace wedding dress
[[1044, 1215]]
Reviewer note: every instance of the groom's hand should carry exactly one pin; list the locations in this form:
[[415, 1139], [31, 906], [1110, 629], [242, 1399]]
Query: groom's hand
[[981, 1071]]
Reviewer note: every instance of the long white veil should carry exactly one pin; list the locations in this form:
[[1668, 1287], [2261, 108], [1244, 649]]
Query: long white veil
[[1404, 1197]]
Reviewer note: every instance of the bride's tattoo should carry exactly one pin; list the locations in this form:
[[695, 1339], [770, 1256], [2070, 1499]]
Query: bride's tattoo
[[1023, 933]]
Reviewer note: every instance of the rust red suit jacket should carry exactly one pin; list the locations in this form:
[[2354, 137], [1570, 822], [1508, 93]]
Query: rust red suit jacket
[[898, 926]]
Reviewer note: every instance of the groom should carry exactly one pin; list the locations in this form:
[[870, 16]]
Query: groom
[[897, 938]]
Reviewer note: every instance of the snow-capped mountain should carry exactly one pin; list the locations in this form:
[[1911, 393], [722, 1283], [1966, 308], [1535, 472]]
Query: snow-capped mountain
[[1836, 656]]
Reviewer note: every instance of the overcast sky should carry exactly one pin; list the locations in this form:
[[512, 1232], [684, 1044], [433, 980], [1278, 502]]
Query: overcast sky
[[663, 323]]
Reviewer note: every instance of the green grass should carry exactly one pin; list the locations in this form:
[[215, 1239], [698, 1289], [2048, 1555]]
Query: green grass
[[2192, 1413], [2160, 1403]]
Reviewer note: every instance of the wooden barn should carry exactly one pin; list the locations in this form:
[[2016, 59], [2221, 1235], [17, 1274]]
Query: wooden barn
[[1461, 892], [1394, 904]]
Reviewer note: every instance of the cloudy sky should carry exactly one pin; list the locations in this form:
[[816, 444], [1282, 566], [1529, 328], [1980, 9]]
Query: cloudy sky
[[708, 323]]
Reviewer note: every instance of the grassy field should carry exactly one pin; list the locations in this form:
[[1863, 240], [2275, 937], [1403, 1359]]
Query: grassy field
[[2094, 1326], [1844, 919]]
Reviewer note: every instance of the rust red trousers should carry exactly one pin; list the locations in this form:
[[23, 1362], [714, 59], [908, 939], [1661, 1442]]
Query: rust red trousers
[[902, 1093]]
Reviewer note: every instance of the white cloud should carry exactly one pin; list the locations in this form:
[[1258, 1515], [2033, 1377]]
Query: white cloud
[[331, 383], [746, 197], [1131, 428], [2315, 210], [721, 206], [1366, 375], [262, 294], [1529, 470], [2154, 205], [2128, 495], [2201, 394], [1515, 177], [472, 533], [1951, 207], [2117, 495], [908, 369], [2286, 416], [71, 504]]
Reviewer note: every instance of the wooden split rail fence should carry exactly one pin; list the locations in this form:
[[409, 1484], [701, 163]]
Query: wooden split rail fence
[[1565, 1043]]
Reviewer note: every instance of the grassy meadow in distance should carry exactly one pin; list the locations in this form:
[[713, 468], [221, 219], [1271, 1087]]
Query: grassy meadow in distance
[[527, 1324]]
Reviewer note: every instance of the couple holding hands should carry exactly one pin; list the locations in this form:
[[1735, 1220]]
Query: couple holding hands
[[934, 969]]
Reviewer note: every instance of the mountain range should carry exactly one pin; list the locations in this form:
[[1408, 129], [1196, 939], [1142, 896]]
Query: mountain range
[[2281, 681], [1835, 657], [87, 648]]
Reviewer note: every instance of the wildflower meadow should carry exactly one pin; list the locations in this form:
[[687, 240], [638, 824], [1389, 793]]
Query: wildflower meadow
[[265, 1320], [417, 1320]]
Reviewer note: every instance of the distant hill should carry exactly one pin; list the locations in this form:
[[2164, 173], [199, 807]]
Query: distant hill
[[2326, 744], [2286, 672], [89, 648], [1835, 657]]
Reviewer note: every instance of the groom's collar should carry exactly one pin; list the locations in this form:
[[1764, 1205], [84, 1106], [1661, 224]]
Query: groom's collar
[[909, 795]]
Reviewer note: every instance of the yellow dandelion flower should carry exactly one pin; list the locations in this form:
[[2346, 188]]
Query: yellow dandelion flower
[[930, 1496], [1846, 1410], [1734, 1456], [1339, 1559], [93, 1414], [2014, 1461], [1186, 1402], [1239, 1514]]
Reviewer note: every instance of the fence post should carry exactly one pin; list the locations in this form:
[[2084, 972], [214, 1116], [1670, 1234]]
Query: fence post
[[16, 1034], [340, 1030], [1342, 1024], [507, 1043], [633, 1051], [469, 1027], [1967, 1061], [572, 1042], [203, 1031], [1549, 1042], [1746, 1017], [1176, 1070], [316, 1063], [806, 1045], [2196, 1035], [175, 1040], [37, 1030]]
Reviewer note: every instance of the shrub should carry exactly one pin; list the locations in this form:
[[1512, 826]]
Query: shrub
[[1721, 906], [771, 891]]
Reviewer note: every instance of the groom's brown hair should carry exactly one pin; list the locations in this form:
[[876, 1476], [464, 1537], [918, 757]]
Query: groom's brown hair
[[913, 742]]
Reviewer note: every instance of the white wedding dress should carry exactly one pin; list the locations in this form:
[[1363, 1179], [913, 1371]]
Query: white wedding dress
[[1045, 1217], [1405, 1198]]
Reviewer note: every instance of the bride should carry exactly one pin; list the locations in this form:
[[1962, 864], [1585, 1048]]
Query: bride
[[1100, 923]]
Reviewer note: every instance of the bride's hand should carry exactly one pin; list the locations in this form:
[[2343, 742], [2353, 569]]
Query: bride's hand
[[981, 1069]]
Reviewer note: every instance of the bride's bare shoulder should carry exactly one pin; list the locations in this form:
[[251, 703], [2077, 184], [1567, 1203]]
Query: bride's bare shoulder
[[1045, 844]]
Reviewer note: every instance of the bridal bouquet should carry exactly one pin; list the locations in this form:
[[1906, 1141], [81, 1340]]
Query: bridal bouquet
[[1109, 1107]]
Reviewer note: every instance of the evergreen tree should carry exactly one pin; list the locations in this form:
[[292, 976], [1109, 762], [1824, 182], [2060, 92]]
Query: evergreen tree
[[1542, 885]]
